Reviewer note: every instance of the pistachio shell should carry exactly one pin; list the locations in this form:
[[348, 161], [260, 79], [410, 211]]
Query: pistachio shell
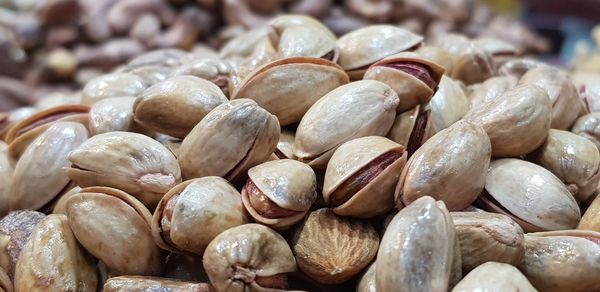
[[285, 146], [244, 44], [491, 89], [367, 281], [6, 174], [588, 126], [436, 55], [151, 74], [412, 128], [161, 57], [113, 114], [448, 105], [471, 63], [494, 277], [15, 229], [519, 66], [301, 36], [591, 218], [61, 204], [214, 70], [112, 85], [139, 283], [589, 89], [6, 284]]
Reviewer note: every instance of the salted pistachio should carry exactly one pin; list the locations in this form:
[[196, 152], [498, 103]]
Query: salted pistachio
[[9, 119], [43, 162], [412, 128], [563, 95], [113, 114], [302, 36], [365, 46], [361, 176], [176, 105], [279, 193], [131, 162], [331, 121], [140, 283], [249, 257], [289, 103], [491, 89], [436, 55], [112, 85], [591, 218], [458, 156], [519, 66], [500, 51], [244, 44], [231, 139], [448, 105], [367, 281], [471, 63], [331, 249], [15, 229], [494, 277], [488, 237], [285, 146], [53, 260], [414, 78], [214, 70], [194, 212], [589, 89], [115, 227], [566, 260], [588, 126], [6, 284], [5, 124], [573, 159], [61, 204], [531, 195], [517, 121], [417, 251], [6, 174]]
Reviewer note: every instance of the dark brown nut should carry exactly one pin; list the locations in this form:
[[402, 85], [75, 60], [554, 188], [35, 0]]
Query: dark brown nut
[[412, 128], [332, 249], [139, 283], [15, 229], [494, 277], [112, 85]]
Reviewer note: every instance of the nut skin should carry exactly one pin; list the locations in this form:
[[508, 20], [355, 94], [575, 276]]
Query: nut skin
[[129, 161], [194, 212], [331, 249], [112, 85], [176, 105], [231, 139], [458, 156], [113, 114], [494, 277], [15, 229], [359, 162], [52, 260], [244, 257], [6, 174], [517, 122], [588, 126], [115, 227], [448, 105], [139, 283], [591, 218], [331, 121]]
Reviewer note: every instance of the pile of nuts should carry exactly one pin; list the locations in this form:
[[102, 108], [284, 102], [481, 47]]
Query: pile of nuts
[[296, 160]]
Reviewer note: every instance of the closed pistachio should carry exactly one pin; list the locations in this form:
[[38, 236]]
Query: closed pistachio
[[351, 111], [591, 218], [588, 126], [15, 229], [243, 45], [279, 193], [494, 277], [448, 105], [113, 114], [6, 173], [115, 228], [412, 128], [170, 58], [519, 66], [436, 55], [112, 85], [531, 195], [361, 177], [458, 156], [53, 260], [6, 284], [214, 70], [471, 63], [331, 249], [129, 161], [139, 283], [285, 146], [263, 54], [302, 36], [491, 89], [249, 257], [367, 281], [517, 121], [231, 139], [61, 204], [151, 74], [194, 212]]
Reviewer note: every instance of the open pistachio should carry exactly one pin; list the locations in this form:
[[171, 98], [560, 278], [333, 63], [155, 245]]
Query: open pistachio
[[458, 156], [412, 128], [531, 195], [231, 139], [53, 260], [491, 89], [487, 237], [132, 162], [361, 176], [414, 78], [115, 227], [367, 281], [588, 126], [194, 212], [331, 121], [331, 249], [591, 218], [43, 163], [15, 229], [139, 283], [113, 114], [448, 105], [517, 121], [494, 277], [249, 257], [279, 193], [112, 85], [302, 36], [176, 105], [6, 284], [6, 174]]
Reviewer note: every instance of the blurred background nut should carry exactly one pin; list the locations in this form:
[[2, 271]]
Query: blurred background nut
[[367, 281], [491, 89], [6, 173], [412, 128], [448, 105], [15, 229]]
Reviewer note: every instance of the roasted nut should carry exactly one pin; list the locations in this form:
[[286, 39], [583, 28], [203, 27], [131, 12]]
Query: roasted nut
[[112, 85], [6, 174], [244, 44], [470, 62], [332, 249], [500, 51], [61, 204], [367, 281], [302, 36], [588, 126], [151, 74], [591, 218], [518, 67], [214, 70], [412, 128], [6, 284], [436, 55], [15, 229], [494, 277], [113, 114], [448, 105], [139, 283], [285, 146], [589, 89], [491, 89]]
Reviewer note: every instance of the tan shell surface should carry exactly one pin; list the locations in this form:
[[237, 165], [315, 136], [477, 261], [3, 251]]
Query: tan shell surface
[[448, 105], [112, 85], [6, 174], [6, 284], [491, 89], [306, 41], [494, 277], [591, 218], [367, 281], [437, 55], [140, 283], [286, 143], [588, 126], [15, 229], [244, 44], [112, 114]]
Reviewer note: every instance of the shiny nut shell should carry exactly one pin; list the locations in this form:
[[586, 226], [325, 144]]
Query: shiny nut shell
[[139, 283], [591, 218], [112, 85], [113, 114], [15, 229], [6, 174], [6, 284], [494, 277], [491, 89], [448, 105], [588, 126]]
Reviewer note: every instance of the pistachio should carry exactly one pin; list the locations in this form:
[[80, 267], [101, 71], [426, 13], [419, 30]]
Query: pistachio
[[412, 128], [185, 267], [249, 257], [500, 51], [244, 44], [285, 146], [589, 89], [15, 229], [591, 218], [6, 174], [194, 212], [61, 204], [494, 277], [139, 283], [169, 58], [491, 89], [471, 63], [436, 55], [519, 66], [113, 114], [331, 121], [132, 162], [214, 70], [302, 36], [6, 284], [115, 227], [588, 126], [367, 281], [151, 74], [232, 138], [361, 176], [112, 85], [52, 260], [331, 249], [448, 105]]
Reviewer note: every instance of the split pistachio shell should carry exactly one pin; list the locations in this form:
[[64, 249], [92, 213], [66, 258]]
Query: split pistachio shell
[[491, 89], [132, 162], [361, 176], [15, 229], [243, 45], [412, 128], [488, 237], [588, 126], [419, 238], [457, 156], [6, 173], [43, 163], [6, 284], [517, 121], [530, 195], [351, 111], [494, 277], [279, 193], [139, 283], [194, 212], [302, 36], [285, 146], [176, 105], [113, 114], [53, 260], [112, 85], [367, 281], [448, 105], [245, 257], [280, 86], [591, 218], [231, 139], [115, 228], [471, 63]]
